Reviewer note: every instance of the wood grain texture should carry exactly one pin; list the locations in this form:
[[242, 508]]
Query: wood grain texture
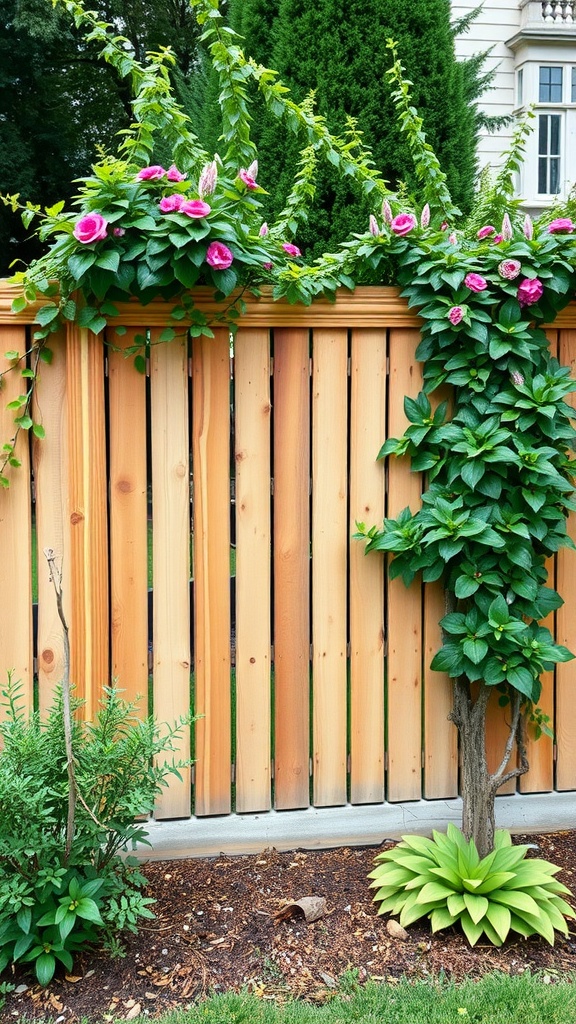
[[128, 522], [87, 513], [171, 554], [566, 621], [15, 530], [291, 566], [367, 477], [404, 725], [253, 568], [52, 524], [211, 475], [329, 564]]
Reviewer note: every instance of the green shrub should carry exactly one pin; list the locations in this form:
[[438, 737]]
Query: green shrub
[[52, 905], [445, 880]]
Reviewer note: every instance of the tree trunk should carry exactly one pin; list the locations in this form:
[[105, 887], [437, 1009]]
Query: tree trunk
[[479, 785]]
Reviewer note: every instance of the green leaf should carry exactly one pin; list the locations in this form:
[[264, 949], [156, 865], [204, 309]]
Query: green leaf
[[476, 906], [500, 918], [88, 909], [109, 260], [46, 314], [476, 649], [45, 966], [19, 304]]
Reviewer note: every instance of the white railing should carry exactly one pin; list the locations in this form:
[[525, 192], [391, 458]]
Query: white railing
[[537, 14], [559, 13]]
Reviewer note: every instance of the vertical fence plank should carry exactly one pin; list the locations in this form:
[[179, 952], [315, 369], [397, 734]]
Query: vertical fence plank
[[15, 531], [128, 523], [329, 563], [89, 632], [440, 735], [253, 568], [291, 566], [404, 723], [566, 622], [52, 525], [171, 553], [367, 429], [211, 445]]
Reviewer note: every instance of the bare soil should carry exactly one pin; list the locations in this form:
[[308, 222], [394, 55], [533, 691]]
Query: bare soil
[[215, 930]]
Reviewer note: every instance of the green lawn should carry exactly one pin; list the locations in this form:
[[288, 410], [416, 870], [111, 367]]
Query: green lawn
[[496, 999]]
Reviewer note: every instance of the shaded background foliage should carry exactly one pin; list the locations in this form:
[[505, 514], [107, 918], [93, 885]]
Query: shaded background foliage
[[59, 102]]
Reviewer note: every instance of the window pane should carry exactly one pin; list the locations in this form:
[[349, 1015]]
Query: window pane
[[555, 135], [573, 85], [543, 134], [554, 176], [550, 85], [556, 76], [521, 85], [542, 183]]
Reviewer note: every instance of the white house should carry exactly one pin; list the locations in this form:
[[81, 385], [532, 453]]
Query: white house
[[533, 53]]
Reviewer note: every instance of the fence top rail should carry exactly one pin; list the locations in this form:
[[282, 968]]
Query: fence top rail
[[367, 306]]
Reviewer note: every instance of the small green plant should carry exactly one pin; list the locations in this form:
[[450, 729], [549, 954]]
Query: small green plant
[[57, 896], [445, 880]]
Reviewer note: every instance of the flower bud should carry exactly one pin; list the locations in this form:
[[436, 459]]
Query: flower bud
[[374, 229], [263, 230], [387, 212], [425, 216], [208, 179], [507, 231], [528, 227]]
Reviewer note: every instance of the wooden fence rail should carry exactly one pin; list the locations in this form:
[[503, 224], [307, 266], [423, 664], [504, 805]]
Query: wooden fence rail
[[308, 666]]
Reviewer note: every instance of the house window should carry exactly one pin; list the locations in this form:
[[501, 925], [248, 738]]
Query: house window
[[550, 85], [549, 154]]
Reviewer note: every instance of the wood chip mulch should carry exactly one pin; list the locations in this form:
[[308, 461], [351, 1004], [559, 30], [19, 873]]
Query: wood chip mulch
[[217, 930]]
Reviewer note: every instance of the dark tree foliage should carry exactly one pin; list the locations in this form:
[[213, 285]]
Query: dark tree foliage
[[59, 101], [338, 49]]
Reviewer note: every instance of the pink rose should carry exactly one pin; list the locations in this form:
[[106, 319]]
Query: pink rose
[[90, 228], [403, 223], [219, 256], [530, 290], [152, 173], [173, 174], [560, 225], [292, 250], [195, 208], [455, 315], [169, 204], [509, 269], [497, 239], [486, 231], [475, 282], [247, 178]]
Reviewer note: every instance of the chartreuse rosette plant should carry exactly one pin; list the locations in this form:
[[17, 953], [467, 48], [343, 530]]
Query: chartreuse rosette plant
[[445, 880]]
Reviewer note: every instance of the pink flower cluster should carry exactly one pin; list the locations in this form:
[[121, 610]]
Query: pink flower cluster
[[292, 250], [219, 256], [403, 223], [177, 203], [475, 282], [509, 269], [155, 172], [562, 225]]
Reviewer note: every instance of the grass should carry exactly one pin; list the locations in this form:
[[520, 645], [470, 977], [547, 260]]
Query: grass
[[495, 999]]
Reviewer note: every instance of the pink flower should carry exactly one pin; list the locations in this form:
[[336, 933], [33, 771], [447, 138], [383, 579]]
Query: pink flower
[[425, 216], [387, 212], [373, 225], [90, 228], [530, 290], [497, 239], [452, 238], [173, 174], [152, 173], [267, 266], [208, 179], [507, 231], [486, 231], [528, 227], [118, 232], [253, 169], [195, 208], [455, 315], [475, 282], [292, 250], [560, 225], [263, 230], [444, 225], [517, 378], [403, 223], [509, 269], [169, 204], [247, 178], [219, 256]]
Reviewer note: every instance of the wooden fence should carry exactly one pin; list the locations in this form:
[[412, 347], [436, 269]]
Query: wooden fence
[[309, 667]]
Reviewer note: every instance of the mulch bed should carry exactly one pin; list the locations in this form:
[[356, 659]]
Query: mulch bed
[[216, 931]]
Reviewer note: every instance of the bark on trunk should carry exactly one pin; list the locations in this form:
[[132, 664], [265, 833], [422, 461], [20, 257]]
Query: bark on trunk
[[479, 785]]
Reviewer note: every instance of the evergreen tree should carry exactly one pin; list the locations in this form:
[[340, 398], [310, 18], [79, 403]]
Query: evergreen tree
[[337, 48]]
